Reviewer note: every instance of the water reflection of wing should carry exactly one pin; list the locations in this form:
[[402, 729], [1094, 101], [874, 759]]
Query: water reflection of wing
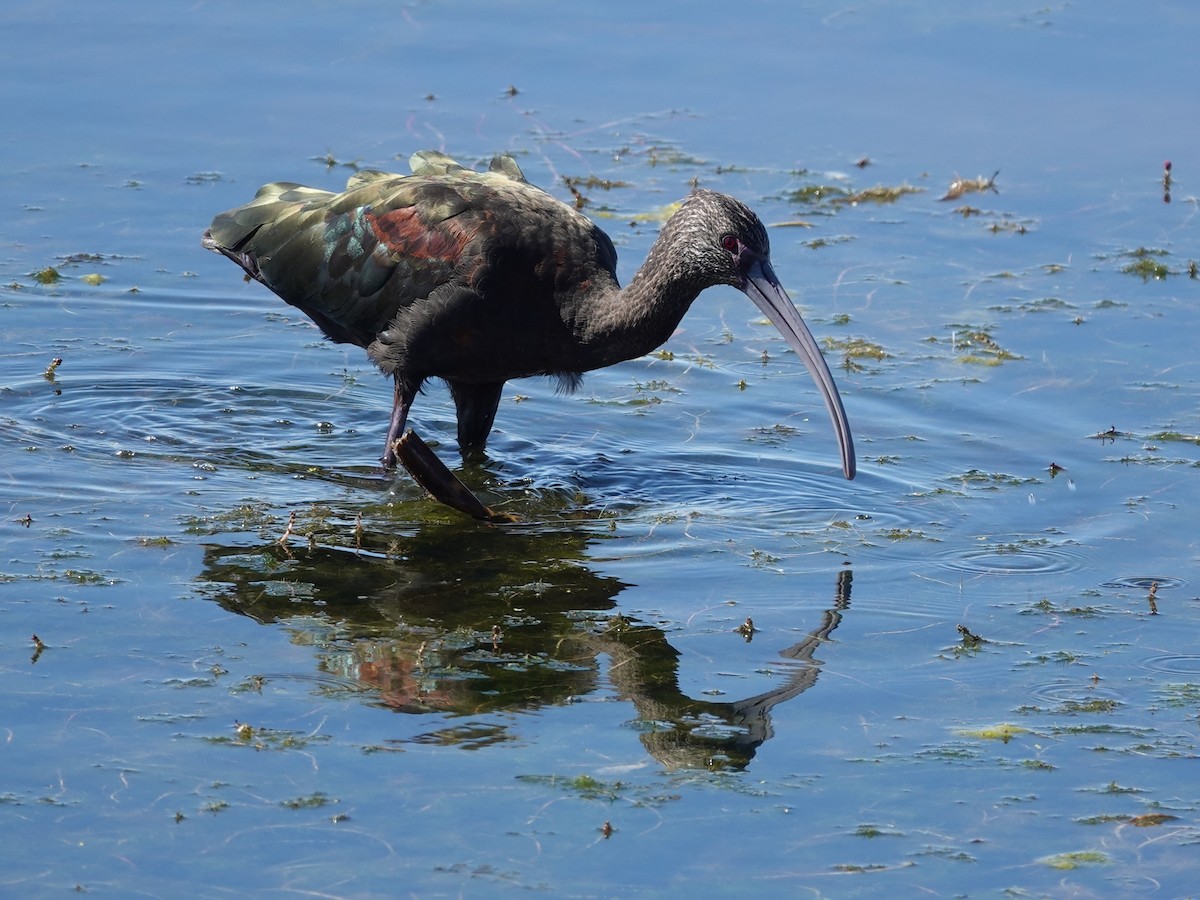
[[416, 623]]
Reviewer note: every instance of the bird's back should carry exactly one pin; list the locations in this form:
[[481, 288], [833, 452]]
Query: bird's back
[[394, 244]]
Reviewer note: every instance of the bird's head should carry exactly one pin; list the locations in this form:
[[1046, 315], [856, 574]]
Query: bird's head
[[729, 245], [724, 237]]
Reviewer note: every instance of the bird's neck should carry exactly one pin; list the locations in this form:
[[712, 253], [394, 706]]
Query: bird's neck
[[625, 323]]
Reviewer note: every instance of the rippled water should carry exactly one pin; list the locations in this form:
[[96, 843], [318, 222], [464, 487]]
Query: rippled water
[[702, 659]]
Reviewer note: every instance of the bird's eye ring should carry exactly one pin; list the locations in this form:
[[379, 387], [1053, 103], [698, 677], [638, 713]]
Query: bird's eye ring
[[730, 243]]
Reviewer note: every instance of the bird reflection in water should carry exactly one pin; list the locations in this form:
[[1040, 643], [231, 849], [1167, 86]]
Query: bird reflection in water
[[506, 621]]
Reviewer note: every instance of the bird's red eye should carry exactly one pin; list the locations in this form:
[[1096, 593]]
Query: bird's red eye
[[730, 243]]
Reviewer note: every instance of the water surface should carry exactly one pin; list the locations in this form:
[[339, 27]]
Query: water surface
[[269, 667]]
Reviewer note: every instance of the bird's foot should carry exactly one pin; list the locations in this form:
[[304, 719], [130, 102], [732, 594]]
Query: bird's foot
[[388, 460], [431, 473]]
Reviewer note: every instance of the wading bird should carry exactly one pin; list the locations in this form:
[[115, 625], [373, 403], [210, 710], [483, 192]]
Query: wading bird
[[480, 277]]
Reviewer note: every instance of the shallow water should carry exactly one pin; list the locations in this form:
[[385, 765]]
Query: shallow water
[[268, 667]]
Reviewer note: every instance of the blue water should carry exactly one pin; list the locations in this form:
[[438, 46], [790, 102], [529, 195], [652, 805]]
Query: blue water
[[268, 667]]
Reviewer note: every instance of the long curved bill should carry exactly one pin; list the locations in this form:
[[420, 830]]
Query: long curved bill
[[768, 295]]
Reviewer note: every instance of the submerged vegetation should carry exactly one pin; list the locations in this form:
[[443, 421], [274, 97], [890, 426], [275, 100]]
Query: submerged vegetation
[[830, 197], [1147, 264], [976, 346]]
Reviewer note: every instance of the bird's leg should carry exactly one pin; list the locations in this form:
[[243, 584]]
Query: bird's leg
[[476, 405], [401, 400]]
